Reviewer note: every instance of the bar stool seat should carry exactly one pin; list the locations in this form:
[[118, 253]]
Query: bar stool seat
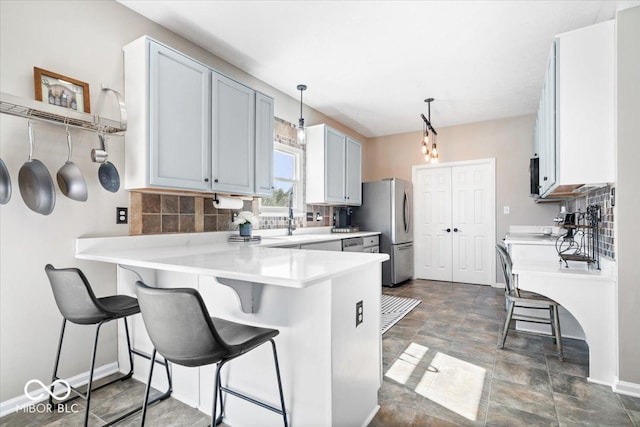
[[78, 304], [183, 332]]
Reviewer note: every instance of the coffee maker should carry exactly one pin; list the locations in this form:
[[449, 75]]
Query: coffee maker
[[342, 218]]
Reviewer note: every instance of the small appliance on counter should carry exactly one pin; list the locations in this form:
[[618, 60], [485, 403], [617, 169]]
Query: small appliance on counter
[[342, 221]]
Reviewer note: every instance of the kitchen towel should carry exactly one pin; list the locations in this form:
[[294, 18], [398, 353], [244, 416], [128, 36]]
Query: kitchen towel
[[227, 203]]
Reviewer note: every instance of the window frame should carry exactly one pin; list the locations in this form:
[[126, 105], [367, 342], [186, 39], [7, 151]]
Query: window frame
[[298, 207]]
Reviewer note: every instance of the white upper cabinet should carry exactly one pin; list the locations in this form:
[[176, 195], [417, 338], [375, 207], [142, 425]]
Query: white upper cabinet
[[576, 144], [191, 128], [264, 145], [233, 136], [353, 172], [333, 167], [168, 100], [545, 132]]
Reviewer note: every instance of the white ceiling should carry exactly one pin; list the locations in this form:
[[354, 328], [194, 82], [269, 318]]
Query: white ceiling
[[370, 64]]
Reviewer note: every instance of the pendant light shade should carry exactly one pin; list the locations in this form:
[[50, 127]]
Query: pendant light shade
[[428, 144], [302, 136]]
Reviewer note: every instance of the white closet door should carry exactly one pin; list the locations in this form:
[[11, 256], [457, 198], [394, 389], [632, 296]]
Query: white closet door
[[432, 194], [455, 222], [473, 219]]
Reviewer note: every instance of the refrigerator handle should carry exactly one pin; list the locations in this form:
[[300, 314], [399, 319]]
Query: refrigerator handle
[[406, 213]]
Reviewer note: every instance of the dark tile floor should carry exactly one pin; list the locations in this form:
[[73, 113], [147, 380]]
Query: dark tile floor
[[441, 368]]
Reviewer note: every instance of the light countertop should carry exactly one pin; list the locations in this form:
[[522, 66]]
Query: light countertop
[[210, 254], [559, 270], [530, 239]]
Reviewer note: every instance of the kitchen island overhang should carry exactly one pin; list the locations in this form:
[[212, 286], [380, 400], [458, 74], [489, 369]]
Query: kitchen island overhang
[[331, 366]]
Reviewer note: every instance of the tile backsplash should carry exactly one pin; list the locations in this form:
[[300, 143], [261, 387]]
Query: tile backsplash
[[192, 213], [169, 213], [599, 197]]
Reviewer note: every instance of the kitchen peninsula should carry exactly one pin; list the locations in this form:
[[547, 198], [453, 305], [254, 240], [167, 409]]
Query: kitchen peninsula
[[330, 362]]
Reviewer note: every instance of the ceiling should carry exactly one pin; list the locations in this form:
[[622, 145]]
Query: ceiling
[[370, 64]]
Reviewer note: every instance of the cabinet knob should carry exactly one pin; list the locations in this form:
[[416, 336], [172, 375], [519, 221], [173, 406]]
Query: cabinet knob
[[215, 180], [545, 178], [448, 230], [206, 180], [455, 230]]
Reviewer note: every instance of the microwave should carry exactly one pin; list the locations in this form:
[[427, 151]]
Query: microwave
[[534, 176]]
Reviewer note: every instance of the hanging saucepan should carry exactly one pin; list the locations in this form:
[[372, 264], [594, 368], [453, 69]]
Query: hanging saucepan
[[70, 179], [36, 185], [5, 184], [107, 172]]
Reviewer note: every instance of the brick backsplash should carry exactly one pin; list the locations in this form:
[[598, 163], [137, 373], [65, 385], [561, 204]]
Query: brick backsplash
[[598, 197], [177, 213]]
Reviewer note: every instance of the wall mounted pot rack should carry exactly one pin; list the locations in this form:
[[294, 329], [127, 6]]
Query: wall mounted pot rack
[[37, 110]]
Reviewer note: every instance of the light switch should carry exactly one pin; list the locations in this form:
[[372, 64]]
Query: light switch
[[506, 210]]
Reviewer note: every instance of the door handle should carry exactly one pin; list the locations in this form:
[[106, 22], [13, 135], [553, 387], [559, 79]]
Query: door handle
[[448, 230], [456, 230]]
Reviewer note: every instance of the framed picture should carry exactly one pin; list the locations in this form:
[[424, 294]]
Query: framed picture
[[56, 89]]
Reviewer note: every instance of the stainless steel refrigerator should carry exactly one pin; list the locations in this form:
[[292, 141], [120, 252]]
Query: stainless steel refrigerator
[[387, 207]]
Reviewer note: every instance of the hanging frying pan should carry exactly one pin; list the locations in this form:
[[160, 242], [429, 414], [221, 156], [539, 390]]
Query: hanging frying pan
[[107, 172], [36, 185], [5, 184], [70, 179]]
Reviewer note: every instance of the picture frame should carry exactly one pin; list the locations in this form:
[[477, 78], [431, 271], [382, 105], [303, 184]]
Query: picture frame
[[56, 89]]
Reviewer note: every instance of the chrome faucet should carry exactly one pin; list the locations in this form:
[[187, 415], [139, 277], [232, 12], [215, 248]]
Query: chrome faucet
[[290, 227]]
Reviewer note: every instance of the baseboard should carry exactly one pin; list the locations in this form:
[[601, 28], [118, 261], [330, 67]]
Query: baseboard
[[498, 285], [626, 388], [371, 416], [12, 405]]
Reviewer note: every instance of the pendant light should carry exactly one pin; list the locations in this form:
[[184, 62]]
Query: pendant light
[[428, 144], [302, 137]]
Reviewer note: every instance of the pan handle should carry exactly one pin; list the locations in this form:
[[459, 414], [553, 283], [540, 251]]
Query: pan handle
[[30, 126]]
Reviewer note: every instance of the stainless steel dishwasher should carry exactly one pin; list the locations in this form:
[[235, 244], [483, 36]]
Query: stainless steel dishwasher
[[354, 244]]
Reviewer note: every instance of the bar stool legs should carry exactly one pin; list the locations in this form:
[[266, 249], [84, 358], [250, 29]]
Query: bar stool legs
[[87, 395], [218, 389]]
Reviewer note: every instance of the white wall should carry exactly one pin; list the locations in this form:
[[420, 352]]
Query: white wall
[[628, 198], [82, 40], [509, 141]]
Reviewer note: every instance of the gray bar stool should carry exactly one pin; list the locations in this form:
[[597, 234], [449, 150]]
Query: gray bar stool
[[522, 299], [182, 331], [78, 304]]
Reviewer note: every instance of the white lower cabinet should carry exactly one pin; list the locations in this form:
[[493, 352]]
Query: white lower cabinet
[[191, 128]]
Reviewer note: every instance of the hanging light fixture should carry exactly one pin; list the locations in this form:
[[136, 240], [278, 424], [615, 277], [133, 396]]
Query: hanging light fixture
[[302, 137], [428, 144]]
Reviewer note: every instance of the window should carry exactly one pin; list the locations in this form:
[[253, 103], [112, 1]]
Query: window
[[287, 179]]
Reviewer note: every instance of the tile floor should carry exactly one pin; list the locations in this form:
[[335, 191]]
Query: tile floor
[[441, 368]]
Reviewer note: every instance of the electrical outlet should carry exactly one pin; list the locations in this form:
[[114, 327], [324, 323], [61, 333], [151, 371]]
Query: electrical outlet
[[506, 210], [122, 215], [359, 313]]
